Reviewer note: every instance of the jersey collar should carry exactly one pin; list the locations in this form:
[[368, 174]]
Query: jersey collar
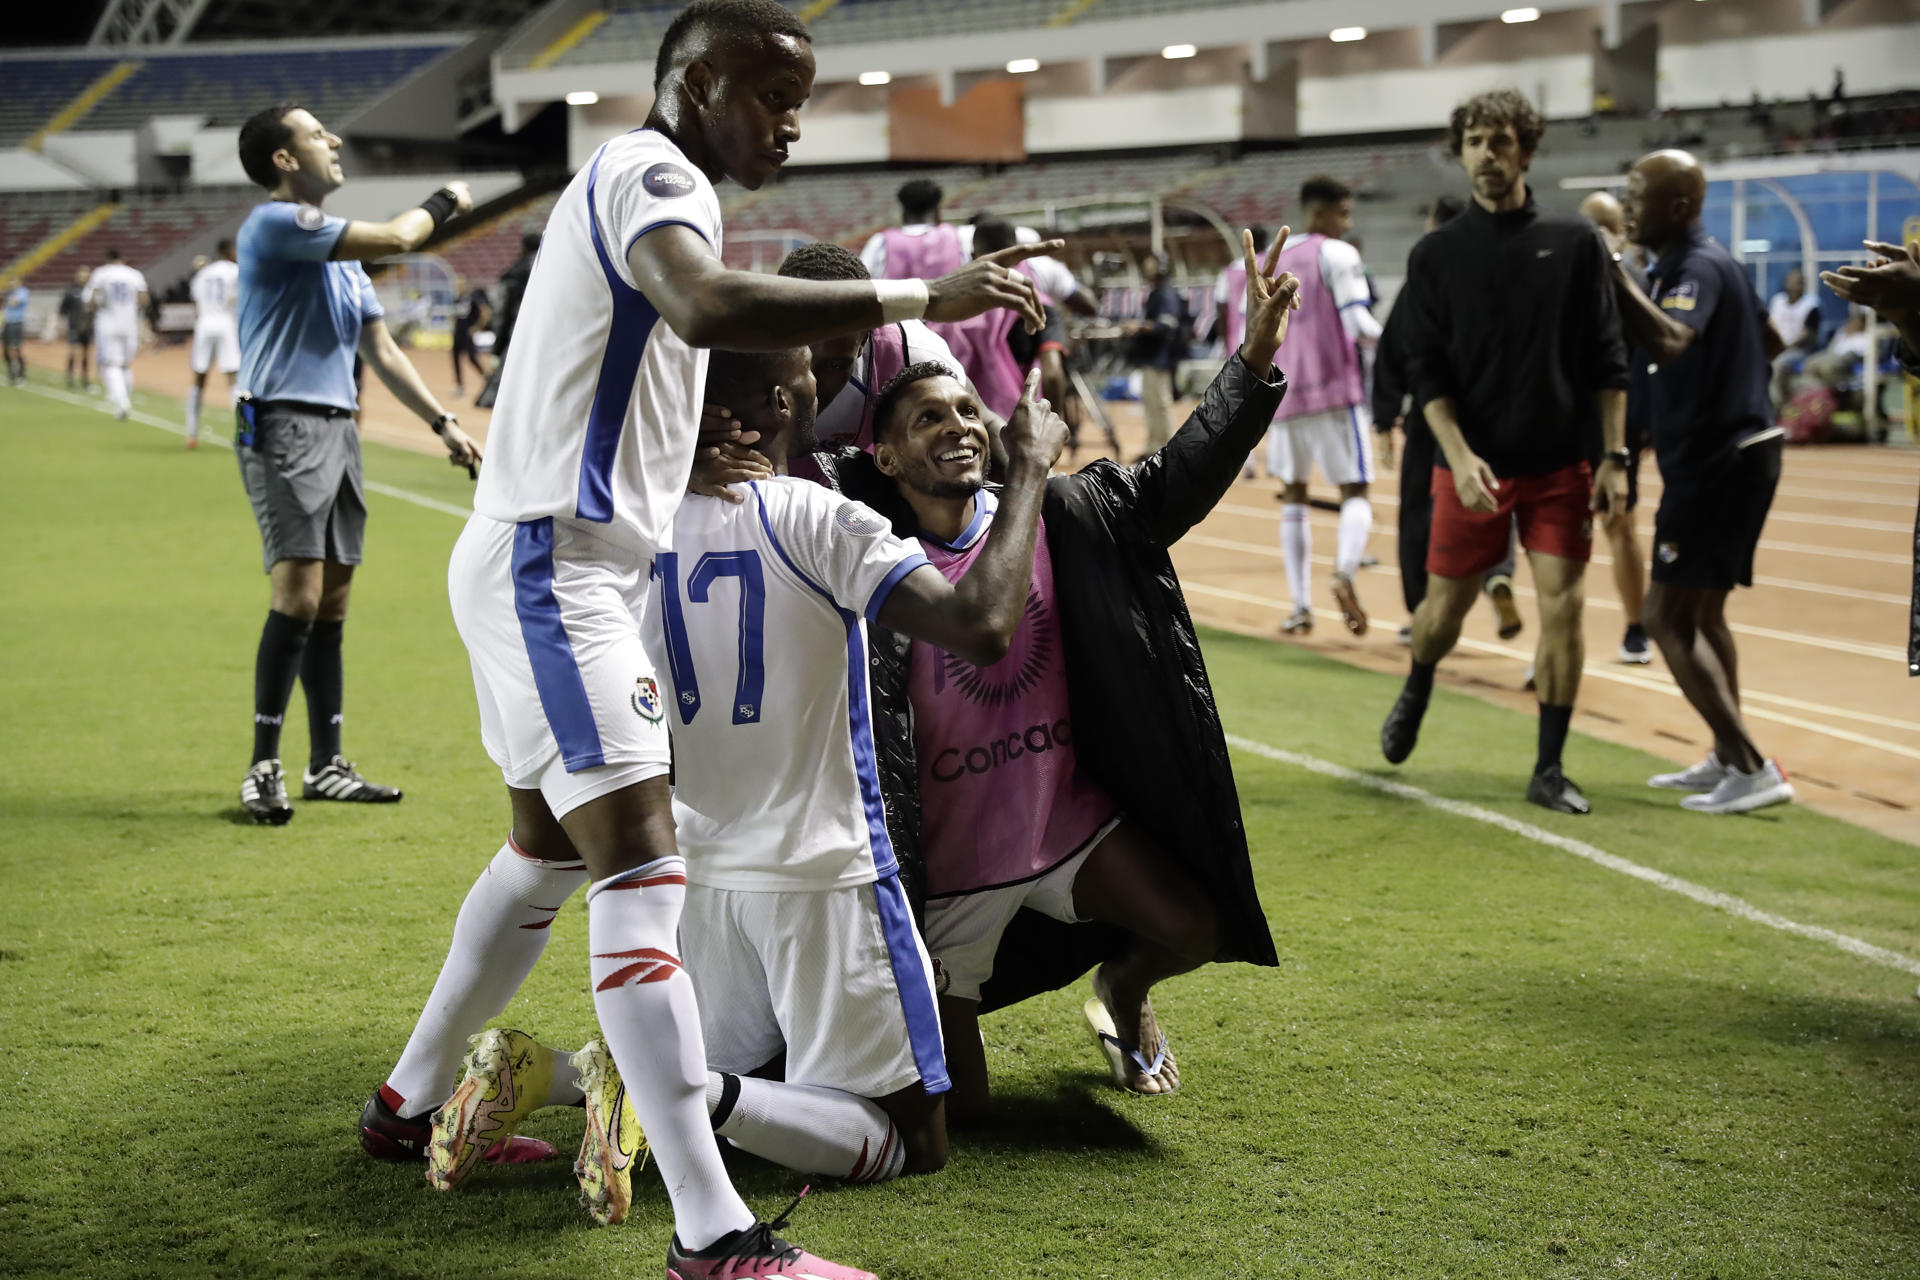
[[984, 505]]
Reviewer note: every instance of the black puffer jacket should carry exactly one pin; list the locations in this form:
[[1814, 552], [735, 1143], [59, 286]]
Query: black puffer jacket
[[1145, 724]]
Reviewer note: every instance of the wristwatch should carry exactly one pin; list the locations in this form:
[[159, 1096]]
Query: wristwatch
[[1619, 456], [441, 423]]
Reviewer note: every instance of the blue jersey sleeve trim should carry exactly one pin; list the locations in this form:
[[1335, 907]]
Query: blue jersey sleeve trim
[[878, 599], [690, 225]]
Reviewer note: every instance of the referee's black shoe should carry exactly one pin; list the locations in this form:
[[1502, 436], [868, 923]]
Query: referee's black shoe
[[263, 794], [1552, 789], [337, 779], [1402, 727]]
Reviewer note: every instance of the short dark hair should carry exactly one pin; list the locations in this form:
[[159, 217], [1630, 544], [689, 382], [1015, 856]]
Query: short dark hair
[[1261, 237], [530, 242], [748, 372], [1445, 209], [225, 245], [1324, 188], [1496, 106], [897, 386], [920, 195], [823, 260], [113, 254], [994, 235], [264, 133], [701, 24]]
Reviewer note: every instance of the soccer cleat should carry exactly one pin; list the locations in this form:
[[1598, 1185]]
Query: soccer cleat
[[1740, 792], [1704, 776], [263, 794], [509, 1073], [1402, 727], [1349, 601], [613, 1146], [754, 1252], [1299, 622], [339, 780], [385, 1134], [1500, 591], [1552, 789], [1634, 648]]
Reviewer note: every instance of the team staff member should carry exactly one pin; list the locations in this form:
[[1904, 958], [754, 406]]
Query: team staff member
[[306, 305], [1518, 364], [1392, 408], [79, 317], [1704, 328], [1629, 561]]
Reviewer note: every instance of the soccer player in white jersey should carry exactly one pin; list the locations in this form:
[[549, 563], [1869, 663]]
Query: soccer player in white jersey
[[216, 330], [117, 295], [590, 450], [797, 932], [1326, 417]]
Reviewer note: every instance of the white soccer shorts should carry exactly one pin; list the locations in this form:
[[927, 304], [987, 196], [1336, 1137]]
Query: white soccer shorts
[[1339, 440], [216, 344], [964, 930], [551, 616], [114, 350], [837, 978]]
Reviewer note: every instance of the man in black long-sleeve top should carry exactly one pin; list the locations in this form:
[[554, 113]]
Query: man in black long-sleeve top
[[1518, 363]]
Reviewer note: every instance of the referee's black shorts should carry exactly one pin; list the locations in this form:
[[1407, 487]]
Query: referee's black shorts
[[1710, 518]]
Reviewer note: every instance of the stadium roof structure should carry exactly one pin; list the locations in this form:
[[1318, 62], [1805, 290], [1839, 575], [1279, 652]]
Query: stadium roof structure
[[135, 23]]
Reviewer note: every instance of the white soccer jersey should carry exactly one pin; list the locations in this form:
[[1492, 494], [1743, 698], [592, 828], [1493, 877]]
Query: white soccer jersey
[[599, 404], [842, 417], [1050, 275], [118, 287], [758, 631], [216, 293], [1346, 278]]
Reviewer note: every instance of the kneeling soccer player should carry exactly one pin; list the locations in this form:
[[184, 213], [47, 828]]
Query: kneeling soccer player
[[796, 932], [1083, 778]]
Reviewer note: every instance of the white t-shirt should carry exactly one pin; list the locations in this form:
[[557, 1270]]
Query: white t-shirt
[[757, 624], [599, 404], [1050, 275], [1789, 317], [842, 417], [117, 287], [1346, 276], [216, 293]]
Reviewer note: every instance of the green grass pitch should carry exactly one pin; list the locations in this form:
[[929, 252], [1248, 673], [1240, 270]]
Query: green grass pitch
[[1480, 1057]]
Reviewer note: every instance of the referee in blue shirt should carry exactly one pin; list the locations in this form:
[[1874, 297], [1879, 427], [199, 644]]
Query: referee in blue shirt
[[1712, 345], [306, 306]]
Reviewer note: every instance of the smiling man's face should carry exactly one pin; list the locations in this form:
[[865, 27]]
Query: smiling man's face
[[934, 441]]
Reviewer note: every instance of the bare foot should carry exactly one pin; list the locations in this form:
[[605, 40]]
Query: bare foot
[[1134, 1023]]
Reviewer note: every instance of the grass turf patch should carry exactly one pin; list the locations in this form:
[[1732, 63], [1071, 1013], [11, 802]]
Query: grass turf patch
[[1479, 1057]]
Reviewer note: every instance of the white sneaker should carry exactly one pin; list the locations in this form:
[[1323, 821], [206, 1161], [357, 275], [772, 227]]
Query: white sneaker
[[1704, 776], [1739, 792]]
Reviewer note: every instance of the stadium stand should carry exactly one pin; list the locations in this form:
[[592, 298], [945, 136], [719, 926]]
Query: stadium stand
[[144, 229], [36, 89], [28, 218], [228, 87], [483, 252]]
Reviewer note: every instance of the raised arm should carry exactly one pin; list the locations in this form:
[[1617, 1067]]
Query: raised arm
[[365, 241], [711, 305], [976, 617]]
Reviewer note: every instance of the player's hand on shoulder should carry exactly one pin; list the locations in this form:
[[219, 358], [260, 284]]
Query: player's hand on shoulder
[[719, 426], [1035, 435], [717, 466]]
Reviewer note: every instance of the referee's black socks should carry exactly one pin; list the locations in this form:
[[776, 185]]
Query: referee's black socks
[[282, 641], [1553, 734], [322, 678]]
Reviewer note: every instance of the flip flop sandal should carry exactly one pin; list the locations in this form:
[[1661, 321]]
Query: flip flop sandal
[[1118, 1052]]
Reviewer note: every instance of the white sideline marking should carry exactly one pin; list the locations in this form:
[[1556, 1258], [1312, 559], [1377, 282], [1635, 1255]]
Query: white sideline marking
[[1581, 849], [222, 442]]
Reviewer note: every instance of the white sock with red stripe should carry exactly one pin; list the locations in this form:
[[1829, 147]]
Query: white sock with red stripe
[[501, 930], [644, 1000], [1296, 548], [1356, 523], [806, 1128]]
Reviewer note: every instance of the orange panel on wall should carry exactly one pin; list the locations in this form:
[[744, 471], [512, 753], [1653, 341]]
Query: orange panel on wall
[[986, 124]]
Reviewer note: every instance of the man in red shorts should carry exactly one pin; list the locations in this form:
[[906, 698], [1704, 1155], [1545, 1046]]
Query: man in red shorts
[[1519, 363]]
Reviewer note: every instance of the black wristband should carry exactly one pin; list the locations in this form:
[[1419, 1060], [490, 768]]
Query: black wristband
[[441, 423], [440, 206]]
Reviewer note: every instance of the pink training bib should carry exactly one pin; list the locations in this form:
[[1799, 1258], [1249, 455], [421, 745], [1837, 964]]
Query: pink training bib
[[1001, 800]]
